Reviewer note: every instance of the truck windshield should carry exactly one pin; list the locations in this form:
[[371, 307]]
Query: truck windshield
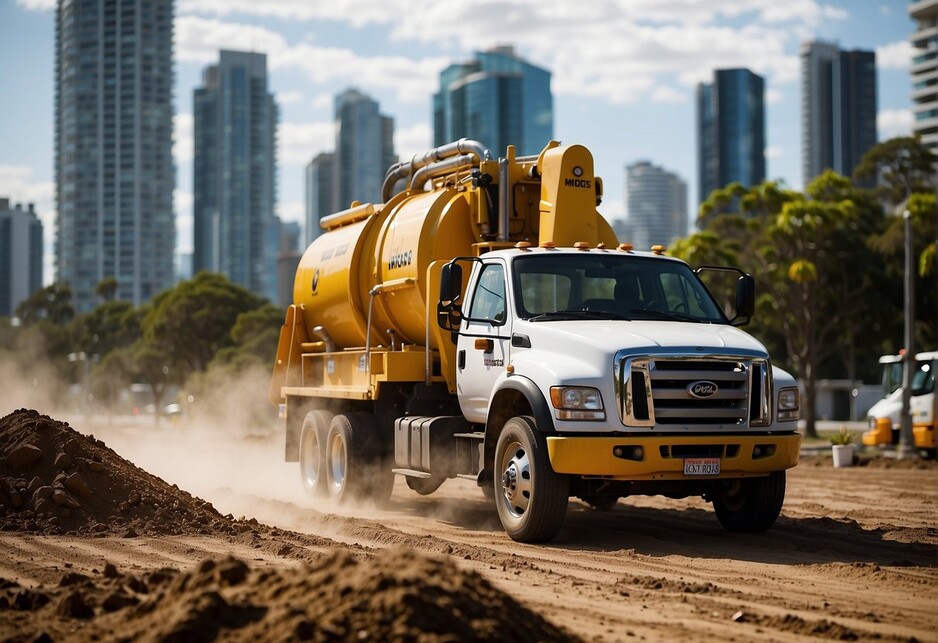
[[604, 286]]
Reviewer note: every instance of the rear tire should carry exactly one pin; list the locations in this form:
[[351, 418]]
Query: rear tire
[[313, 453], [751, 505], [355, 465], [531, 498]]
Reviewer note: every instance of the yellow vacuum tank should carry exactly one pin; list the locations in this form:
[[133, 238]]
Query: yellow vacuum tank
[[370, 247]]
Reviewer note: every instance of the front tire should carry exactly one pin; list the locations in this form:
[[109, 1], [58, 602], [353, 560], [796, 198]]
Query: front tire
[[313, 453], [751, 505], [531, 498]]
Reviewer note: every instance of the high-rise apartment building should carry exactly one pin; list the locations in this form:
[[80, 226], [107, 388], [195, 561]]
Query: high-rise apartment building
[[838, 108], [497, 99], [730, 130], [113, 147], [925, 71], [656, 204], [234, 170], [20, 255], [364, 149], [319, 201]]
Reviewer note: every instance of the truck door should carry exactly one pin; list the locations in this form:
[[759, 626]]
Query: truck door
[[484, 339]]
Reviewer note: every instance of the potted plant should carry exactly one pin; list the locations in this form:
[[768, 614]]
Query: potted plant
[[843, 447]]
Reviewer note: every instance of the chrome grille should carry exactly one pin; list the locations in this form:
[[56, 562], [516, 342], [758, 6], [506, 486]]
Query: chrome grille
[[690, 391]]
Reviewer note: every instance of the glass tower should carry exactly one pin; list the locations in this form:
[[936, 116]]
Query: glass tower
[[924, 42], [364, 149], [730, 130], [234, 170], [838, 108], [497, 99], [656, 203], [113, 147]]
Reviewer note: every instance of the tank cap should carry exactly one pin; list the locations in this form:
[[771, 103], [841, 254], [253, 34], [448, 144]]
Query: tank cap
[[626, 247], [523, 245], [581, 245], [658, 249], [548, 244]]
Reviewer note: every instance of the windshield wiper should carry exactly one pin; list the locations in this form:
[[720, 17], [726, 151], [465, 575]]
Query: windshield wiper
[[665, 314], [557, 315]]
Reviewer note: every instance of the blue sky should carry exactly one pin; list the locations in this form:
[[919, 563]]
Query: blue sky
[[624, 73]]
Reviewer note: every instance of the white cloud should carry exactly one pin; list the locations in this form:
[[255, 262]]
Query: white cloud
[[664, 94], [18, 183], [894, 122], [885, 9], [199, 39], [413, 140], [896, 55], [289, 97], [292, 211], [298, 143], [774, 152], [36, 5], [772, 96], [183, 145], [623, 49]]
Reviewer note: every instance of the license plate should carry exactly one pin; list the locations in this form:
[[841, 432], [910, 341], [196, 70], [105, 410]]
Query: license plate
[[701, 466]]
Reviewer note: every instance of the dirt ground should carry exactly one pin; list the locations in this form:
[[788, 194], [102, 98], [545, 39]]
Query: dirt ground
[[234, 551]]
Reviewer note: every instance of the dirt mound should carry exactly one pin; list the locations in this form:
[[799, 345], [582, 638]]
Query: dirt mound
[[55, 480], [873, 462], [397, 595]]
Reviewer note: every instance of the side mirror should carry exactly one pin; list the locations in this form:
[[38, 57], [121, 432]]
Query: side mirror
[[745, 296], [448, 312], [450, 283]]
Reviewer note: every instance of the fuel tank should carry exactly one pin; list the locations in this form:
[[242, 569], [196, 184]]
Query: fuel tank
[[388, 246]]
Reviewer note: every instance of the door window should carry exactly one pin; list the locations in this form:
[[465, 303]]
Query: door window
[[488, 302]]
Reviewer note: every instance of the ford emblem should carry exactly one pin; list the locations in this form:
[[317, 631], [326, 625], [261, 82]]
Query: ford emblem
[[702, 389]]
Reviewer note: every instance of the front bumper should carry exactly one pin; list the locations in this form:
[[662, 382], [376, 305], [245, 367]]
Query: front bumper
[[663, 456]]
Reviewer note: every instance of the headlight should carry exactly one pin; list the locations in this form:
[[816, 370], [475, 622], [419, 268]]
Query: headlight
[[788, 404], [577, 403]]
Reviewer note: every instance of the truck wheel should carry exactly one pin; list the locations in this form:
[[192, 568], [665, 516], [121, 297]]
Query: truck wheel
[[530, 497], [751, 505], [424, 486], [313, 454], [355, 468]]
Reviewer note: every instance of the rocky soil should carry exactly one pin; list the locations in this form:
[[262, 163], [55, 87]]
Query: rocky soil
[[101, 546]]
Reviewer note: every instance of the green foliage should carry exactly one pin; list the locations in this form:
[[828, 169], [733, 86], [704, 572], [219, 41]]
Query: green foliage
[[192, 322], [829, 261], [843, 436]]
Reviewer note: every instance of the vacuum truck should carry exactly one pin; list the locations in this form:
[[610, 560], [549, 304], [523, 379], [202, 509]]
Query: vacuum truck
[[483, 322]]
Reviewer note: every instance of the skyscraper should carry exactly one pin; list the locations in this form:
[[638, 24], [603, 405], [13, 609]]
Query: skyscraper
[[838, 108], [319, 201], [925, 71], [234, 168], [497, 99], [730, 130], [656, 202], [113, 147], [20, 255], [364, 149]]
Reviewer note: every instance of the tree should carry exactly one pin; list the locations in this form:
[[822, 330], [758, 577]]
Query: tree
[[192, 322], [906, 170], [52, 303], [804, 249], [106, 288]]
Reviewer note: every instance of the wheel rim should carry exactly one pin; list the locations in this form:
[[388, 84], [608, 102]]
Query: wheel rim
[[309, 460], [338, 462], [734, 498], [516, 481]]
